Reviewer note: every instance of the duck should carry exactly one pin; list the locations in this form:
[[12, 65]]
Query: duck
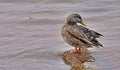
[[75, 32]]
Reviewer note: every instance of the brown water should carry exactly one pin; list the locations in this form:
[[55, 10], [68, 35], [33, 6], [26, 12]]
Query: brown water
[[30, 33]]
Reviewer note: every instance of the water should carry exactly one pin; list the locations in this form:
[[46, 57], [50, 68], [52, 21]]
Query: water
[[30, 33]]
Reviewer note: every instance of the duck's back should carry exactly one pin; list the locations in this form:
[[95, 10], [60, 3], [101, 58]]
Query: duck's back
[[77, 35], [68, 37]]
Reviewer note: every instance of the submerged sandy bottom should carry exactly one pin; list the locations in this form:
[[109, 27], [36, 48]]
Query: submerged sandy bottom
[[30, 33]]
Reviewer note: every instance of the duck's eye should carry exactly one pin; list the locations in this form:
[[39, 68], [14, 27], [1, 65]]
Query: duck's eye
[[77, 16]]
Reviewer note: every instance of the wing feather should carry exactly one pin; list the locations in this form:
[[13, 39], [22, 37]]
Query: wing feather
[[77, 33], [92, 35], [85, 35]]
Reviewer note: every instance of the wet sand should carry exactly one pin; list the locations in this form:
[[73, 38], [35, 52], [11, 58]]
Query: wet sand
[[30, 33]]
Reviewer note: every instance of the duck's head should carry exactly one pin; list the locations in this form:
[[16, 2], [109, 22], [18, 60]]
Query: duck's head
[[74, 19]]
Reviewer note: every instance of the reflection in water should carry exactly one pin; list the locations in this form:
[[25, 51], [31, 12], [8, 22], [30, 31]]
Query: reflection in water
[[36, 43]]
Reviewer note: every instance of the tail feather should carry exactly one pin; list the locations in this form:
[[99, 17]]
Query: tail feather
[[96, 43], [95, 34]]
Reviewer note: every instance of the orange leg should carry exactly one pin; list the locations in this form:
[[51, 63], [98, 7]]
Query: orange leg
[[73, 50], [79, 49]]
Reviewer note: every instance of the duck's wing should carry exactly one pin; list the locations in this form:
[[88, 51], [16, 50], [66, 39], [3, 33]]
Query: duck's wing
[[85, 35], [92, 35], [79, 34], [90, 32]]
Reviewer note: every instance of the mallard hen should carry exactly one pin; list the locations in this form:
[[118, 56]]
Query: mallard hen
[[79, 35]]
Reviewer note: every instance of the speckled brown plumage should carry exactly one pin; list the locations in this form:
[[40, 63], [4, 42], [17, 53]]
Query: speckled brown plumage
[[79, 35]]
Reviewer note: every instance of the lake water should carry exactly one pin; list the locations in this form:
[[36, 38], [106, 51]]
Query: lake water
[[30, 33]]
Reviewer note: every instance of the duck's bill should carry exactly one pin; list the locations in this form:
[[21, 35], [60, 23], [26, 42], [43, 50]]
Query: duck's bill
[[82, 23]]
